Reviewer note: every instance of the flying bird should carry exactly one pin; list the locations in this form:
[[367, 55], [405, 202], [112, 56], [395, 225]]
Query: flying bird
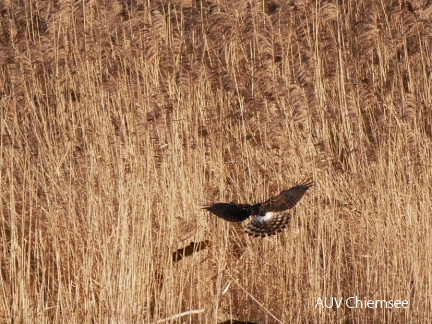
[[271, 216]]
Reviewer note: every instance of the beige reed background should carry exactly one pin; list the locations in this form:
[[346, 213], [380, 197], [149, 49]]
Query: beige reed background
[[121, 119]]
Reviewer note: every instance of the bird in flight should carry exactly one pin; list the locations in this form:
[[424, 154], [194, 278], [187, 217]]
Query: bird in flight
[[271, 216]]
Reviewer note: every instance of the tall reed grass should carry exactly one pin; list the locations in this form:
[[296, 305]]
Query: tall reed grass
[[120, 119]]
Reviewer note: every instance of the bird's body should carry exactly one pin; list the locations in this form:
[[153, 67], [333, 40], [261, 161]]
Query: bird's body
[[271, 215]]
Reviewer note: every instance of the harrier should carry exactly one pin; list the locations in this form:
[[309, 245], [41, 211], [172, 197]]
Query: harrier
[[271, 216]]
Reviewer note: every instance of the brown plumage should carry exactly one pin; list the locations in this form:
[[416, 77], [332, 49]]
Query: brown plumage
[[271, 215]]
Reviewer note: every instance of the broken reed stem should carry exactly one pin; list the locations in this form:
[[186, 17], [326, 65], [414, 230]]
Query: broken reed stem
[[173, 317], [265, 308]]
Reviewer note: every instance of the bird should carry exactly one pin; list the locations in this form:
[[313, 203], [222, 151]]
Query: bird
[[271, 216]]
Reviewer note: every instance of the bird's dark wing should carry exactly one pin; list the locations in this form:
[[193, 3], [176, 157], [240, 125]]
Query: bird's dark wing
[[287, 199], [233, 212]]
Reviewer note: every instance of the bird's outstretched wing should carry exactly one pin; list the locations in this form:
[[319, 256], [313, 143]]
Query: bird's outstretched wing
[[287, 199], [233, 212], [270, 224]]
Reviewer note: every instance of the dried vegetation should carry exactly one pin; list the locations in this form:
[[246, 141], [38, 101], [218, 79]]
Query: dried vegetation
[[119, 119]]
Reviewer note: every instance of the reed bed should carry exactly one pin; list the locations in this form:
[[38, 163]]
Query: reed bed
[[121, 119]]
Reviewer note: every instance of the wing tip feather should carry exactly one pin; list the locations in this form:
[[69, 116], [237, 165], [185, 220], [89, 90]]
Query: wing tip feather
[[307, 182]]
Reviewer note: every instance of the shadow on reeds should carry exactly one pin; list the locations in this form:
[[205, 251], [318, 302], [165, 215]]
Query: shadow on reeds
[[190, 249]]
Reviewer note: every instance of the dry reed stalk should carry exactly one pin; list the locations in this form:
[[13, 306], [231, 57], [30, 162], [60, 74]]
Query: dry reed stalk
[[119, 120]]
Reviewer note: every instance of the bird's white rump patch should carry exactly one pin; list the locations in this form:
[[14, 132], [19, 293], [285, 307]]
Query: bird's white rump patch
[[267, 216]]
